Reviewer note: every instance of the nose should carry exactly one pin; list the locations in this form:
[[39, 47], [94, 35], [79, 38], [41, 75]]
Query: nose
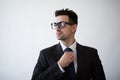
[[57, 28]]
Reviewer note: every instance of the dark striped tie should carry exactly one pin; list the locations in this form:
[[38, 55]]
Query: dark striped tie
[[70, 70]]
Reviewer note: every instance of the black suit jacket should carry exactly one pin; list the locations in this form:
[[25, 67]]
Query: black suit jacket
[[88, 61]]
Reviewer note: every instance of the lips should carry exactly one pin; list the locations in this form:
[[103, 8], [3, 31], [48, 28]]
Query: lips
[[58, 33]]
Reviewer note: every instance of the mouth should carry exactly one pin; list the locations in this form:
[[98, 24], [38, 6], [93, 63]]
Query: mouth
[[58, 33]]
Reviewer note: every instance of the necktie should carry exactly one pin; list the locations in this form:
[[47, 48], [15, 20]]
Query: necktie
[[70, 69]]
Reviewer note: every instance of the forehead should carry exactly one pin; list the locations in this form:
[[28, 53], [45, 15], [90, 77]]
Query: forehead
[[62, 18]]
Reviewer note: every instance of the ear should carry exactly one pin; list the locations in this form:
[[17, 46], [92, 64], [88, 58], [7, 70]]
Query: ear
[[74, 28]]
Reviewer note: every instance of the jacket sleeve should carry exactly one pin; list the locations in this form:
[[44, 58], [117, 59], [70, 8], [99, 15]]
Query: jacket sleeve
[[98, 72], [43, 71]]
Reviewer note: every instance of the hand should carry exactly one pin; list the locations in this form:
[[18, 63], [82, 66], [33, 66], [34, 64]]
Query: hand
[[66, 59]]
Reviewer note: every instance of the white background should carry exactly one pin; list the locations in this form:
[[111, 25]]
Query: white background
[[25, 30]]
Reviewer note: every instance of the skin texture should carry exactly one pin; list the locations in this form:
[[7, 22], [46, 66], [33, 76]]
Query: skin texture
[[66, 35]]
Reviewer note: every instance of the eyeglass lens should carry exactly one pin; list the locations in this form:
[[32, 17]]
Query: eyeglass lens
[[59, 24]]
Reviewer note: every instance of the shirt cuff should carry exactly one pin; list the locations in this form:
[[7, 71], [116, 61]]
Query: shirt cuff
[[62, 70]]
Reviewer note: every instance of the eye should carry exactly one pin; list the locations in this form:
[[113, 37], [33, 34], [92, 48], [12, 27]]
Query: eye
[[61, 24]]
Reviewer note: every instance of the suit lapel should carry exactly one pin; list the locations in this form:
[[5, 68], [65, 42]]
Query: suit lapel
[[79, 49], [79, 57], [59, 50]]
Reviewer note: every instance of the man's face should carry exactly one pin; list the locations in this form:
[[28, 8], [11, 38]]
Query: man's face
[[67, 32]]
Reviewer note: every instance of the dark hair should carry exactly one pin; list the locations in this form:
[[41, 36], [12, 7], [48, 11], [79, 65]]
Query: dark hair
[[73, 18]]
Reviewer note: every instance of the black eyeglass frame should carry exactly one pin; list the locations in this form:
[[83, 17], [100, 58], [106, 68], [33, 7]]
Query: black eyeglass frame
[[60, 25]]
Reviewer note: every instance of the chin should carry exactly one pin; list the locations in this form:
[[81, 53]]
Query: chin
[[59, 38]]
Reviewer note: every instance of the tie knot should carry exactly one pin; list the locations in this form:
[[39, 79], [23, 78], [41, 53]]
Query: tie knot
[[68, 50]]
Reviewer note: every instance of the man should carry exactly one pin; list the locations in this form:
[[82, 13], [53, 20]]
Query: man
[[54, 62]]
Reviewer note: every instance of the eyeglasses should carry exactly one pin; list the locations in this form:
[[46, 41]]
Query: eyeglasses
[[60, 25]]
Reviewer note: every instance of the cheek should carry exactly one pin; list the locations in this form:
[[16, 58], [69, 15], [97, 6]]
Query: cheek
[[68, 32]]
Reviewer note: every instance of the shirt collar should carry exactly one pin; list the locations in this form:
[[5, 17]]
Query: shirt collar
[[73, 46]]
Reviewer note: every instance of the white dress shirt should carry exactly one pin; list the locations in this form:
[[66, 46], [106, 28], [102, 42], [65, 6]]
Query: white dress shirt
[[73, 47]]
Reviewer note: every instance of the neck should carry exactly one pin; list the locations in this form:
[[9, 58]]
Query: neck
[[68, 42]]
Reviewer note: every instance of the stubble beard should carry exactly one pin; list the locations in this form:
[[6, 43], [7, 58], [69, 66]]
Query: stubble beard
[[60, 37]]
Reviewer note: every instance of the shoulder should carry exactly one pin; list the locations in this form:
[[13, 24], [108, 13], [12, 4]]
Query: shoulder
[[51, 48], [46, 52], [86, 49]]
